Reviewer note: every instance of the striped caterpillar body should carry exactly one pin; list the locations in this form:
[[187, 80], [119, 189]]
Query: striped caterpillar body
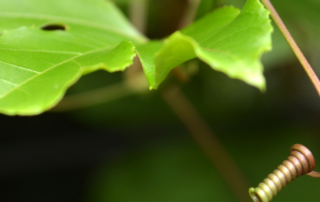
[[300, 162]]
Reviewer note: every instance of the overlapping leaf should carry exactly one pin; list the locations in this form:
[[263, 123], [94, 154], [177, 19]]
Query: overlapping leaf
[[37, 66], [227, 40]]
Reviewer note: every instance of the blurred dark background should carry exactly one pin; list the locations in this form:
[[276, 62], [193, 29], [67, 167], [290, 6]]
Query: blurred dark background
[[135, 148]]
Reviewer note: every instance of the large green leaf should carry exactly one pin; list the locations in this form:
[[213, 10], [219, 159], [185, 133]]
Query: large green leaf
[[98, 22], [229, 41], [34, 77], [37, 66]]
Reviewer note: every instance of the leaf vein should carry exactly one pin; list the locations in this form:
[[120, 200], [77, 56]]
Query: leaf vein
[[6, 81], [40, 73], [23, 68], [227, 36]]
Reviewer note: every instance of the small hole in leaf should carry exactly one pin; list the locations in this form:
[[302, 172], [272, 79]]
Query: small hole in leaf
[[53, 27]]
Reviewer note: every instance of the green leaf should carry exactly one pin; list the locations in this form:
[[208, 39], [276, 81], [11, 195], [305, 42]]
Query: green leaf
[[31, 83], [229, 41], [98, 22], [37, 66]]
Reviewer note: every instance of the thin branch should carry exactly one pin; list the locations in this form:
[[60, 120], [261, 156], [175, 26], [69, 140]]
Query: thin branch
[[208, 142], [293, 44], [109, 93], [190, 13], [138, 14], [180, 75]]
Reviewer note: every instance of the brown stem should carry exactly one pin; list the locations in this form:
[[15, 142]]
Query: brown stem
[[314, 174], [208, 142], [180, 75], [109, 93], [293, 44], [190, 13], [138, 14]]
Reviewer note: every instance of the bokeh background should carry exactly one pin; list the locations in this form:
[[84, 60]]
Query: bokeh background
[[134, 148]]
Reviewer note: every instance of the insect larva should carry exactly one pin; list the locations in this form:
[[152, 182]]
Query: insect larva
[[300, 162]]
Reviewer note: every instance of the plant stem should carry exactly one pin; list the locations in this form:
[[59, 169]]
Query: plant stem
[[207, 140], [138, 14], [293, 44], [190, 13], [125, 88], [180, 75], [314, 174]]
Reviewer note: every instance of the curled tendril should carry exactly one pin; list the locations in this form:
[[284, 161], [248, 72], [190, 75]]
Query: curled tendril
[[300, 162]]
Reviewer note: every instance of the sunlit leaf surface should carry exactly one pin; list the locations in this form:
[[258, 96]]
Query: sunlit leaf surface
[[37, 66], [45, 46], [228, 40]]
